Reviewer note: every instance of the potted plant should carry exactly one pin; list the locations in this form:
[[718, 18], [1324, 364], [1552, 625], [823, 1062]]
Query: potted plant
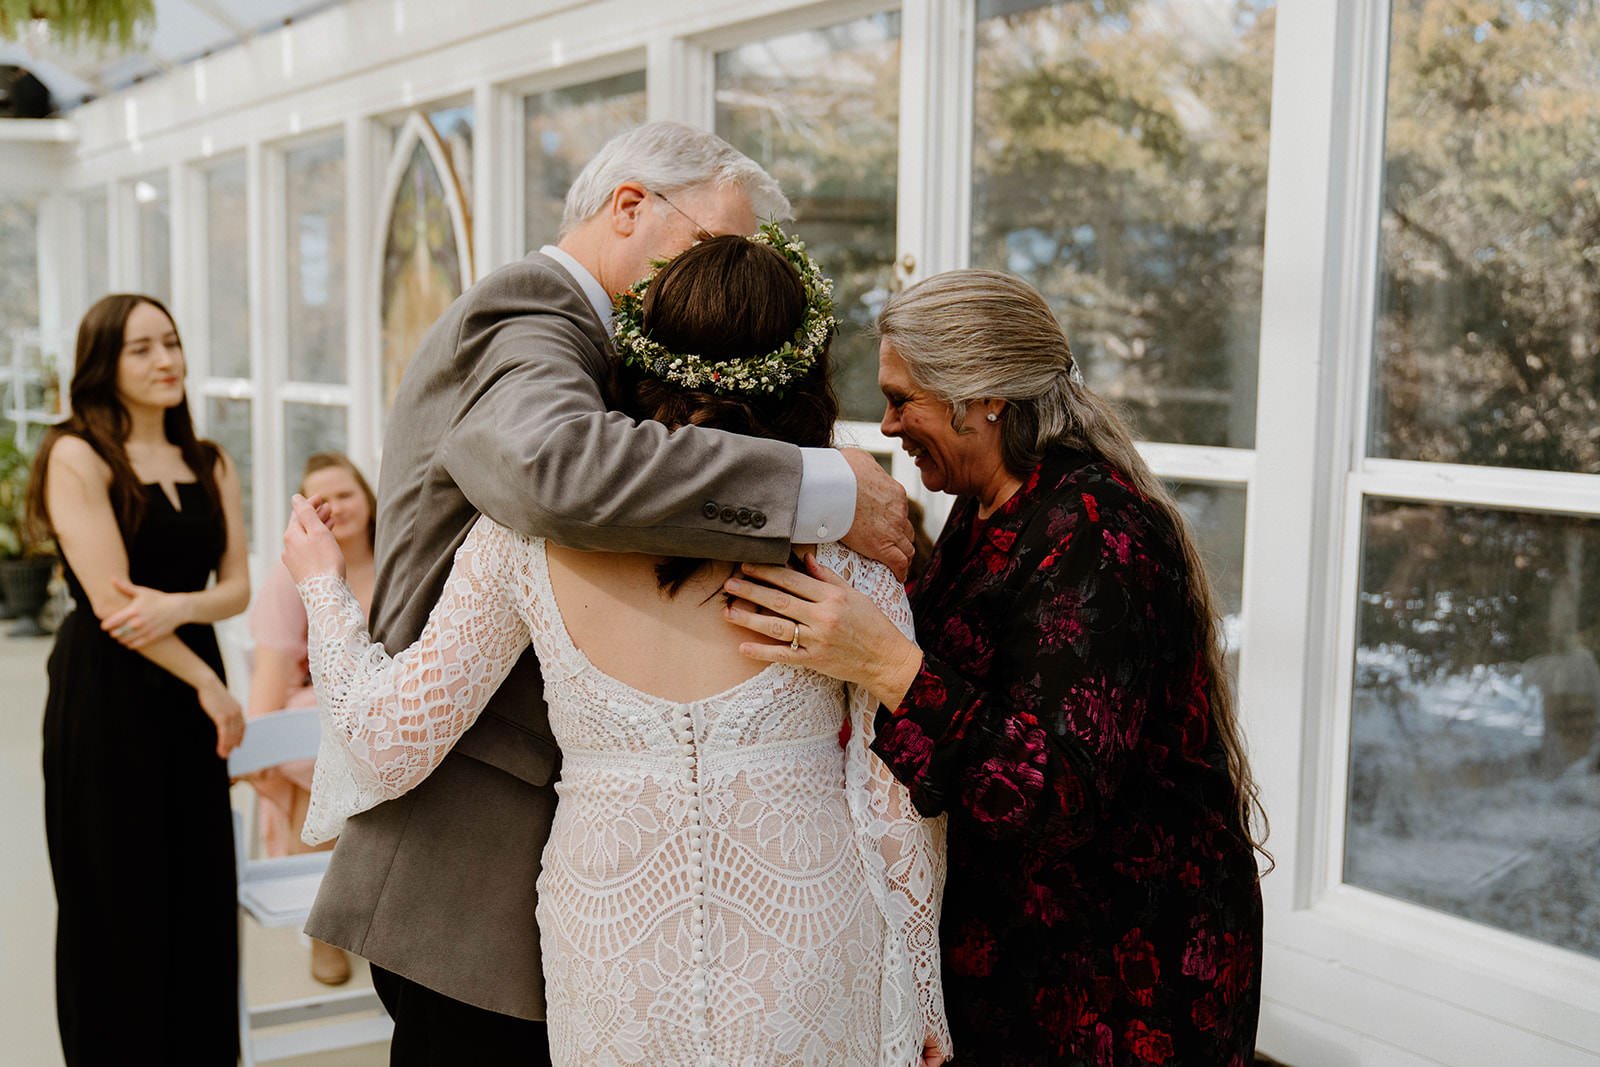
[[25, 567], [105, 22]]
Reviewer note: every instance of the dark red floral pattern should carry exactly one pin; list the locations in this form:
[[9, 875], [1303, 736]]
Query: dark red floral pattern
[[1102, 907]]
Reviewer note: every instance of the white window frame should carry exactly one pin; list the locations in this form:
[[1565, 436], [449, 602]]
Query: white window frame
[[275, 387], [1397, 980]]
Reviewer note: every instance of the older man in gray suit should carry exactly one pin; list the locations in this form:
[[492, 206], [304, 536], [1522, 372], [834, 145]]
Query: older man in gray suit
[[501, 412]]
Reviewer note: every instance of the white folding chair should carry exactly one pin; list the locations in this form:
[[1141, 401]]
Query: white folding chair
[[279, 892]]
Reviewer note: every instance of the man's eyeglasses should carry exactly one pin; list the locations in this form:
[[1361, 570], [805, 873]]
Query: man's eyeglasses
[[700, 232]]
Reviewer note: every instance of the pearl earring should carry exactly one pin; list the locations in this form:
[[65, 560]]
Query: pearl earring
[[992, 417]]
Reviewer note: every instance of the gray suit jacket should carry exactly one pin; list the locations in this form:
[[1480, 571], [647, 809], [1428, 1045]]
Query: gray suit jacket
[[501, 412]]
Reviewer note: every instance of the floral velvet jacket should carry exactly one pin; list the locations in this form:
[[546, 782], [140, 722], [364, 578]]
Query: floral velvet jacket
[[1102, 906]]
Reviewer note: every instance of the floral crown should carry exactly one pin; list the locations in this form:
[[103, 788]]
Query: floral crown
[[771, 372]]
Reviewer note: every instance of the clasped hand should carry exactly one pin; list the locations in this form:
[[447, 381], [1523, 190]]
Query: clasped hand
[[309, 547], [149, 615]]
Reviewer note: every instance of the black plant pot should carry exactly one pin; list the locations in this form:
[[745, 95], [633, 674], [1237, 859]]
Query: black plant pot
[[27, 586]]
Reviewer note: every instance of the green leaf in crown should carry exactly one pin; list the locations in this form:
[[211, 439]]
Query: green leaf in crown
[[770, 373]]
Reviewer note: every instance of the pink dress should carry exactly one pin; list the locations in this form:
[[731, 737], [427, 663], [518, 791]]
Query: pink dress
[[278, 622]]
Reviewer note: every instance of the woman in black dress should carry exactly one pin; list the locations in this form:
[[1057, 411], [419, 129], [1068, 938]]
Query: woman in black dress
[[144, 513]]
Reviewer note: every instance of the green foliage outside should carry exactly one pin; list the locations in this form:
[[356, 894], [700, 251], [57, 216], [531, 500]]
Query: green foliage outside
[[119, 22], [820, 110], [1120, 165], [14, 464], [1488, 340]]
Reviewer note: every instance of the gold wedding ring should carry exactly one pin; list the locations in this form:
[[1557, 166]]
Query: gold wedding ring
[[794, 642]]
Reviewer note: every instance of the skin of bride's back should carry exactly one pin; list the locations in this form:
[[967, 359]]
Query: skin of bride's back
[[674, 646]]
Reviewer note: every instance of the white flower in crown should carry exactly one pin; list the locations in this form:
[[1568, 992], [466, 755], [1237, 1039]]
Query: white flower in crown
[[772, 372]]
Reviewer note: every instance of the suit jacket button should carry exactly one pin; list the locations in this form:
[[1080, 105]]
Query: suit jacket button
[[744, 516], [758, 519], [709, 509], [728, 513]]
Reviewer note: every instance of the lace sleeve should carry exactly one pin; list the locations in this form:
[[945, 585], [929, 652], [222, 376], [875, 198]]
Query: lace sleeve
[[387, 722], [903, 852]]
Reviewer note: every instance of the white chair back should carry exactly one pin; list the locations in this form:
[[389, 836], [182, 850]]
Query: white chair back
[[279, 892]]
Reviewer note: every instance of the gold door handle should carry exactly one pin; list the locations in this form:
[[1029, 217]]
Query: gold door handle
[[902, 271]]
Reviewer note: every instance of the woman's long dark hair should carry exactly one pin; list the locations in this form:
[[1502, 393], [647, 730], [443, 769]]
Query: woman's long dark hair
[[725, 298], [100, 419]]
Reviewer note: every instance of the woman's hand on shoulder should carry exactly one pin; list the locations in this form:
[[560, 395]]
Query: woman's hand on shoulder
[[309, 547], [818, 620]]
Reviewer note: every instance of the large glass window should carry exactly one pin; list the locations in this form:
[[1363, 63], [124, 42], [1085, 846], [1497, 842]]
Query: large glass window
[[562, 128], [96, 247], [316, 299], [1120, 164], [820, 110], [308, 429], [455, 125], [1216, 515], [228, 423], [227, 275], [1475, 727], [153, 204], [230, 402], [1474, 762], [426, 247], [1488, 334], [20, 382]]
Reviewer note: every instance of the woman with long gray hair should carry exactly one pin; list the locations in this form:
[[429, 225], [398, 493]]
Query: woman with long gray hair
[[1065, 702]]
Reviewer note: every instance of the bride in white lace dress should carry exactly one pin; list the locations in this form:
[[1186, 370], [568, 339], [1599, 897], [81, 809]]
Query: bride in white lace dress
[[732, 878]]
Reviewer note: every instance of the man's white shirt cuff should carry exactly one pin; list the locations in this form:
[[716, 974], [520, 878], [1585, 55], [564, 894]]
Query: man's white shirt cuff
[[827, 504]]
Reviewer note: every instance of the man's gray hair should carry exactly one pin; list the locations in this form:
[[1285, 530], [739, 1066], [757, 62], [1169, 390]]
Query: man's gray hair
[[668, 157]]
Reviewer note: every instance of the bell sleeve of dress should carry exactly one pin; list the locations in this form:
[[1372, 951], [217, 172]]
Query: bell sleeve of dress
[[1038, 747], [902, 852], [387, 722]]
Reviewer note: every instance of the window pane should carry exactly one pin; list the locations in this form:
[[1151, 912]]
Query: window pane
[[307, 429], [96, 249], [19, 266], [316, 262], [454, 125], [1120, 165], [1216, 515], [1473, 780], [1488, 338], [227, 276], [562, 128], [228, 424], [820, 110], [154, 205]]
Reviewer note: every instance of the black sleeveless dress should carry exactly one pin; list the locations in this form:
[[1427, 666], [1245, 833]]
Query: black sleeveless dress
[[138, 824]]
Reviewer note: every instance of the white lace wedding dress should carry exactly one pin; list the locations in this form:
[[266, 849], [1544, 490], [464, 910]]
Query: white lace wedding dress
[[722, 885]]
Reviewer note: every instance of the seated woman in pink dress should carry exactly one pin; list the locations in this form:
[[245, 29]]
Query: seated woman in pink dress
[[281, 677]]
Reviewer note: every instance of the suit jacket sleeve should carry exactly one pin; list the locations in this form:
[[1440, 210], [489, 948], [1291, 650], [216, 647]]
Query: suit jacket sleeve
[[536, 450]]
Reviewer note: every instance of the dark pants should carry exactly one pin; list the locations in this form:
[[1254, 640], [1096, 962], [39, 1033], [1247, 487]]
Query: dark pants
[[433, 1030]]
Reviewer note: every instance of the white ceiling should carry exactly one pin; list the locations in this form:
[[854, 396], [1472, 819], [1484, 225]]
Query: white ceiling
[[184, 30]]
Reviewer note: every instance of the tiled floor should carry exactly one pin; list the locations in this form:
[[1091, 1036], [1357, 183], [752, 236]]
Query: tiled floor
[[276, 962]]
